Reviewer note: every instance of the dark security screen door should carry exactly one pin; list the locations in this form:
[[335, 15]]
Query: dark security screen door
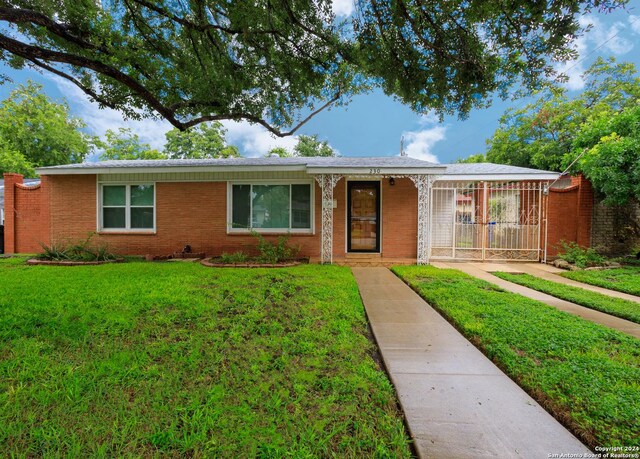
[[363, 222]]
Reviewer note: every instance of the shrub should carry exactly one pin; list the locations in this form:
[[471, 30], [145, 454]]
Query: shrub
[[80, 251], [275, 252], [236, 257], [579, 256]]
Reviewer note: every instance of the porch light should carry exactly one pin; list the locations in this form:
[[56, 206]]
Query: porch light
[[392, 181]]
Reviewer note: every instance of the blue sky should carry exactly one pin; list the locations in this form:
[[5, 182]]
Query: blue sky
[[373, 124]]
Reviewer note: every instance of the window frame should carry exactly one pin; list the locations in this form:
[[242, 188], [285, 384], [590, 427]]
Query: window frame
[[127, 207], [251, 183]]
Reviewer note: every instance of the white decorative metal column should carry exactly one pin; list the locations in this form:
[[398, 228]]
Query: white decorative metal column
[[327, 183], [423, 183]]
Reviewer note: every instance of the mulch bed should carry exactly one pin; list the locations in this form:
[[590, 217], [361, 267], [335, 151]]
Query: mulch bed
[[35, 261]]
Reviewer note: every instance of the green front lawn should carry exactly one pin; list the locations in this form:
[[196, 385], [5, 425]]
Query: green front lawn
[[175, 359], [611, 305], [625, 280], [587, 375]]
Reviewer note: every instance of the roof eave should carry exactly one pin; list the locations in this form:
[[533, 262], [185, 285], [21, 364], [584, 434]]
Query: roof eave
[[499, 177], [173, 169], [279, 168], [376, 170]]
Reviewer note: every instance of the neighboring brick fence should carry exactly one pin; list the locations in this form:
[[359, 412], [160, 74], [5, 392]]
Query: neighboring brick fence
[[26, 215], [616, 229], [569, 214]]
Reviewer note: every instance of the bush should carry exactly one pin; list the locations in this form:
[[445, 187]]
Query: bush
[[579, 256], [275, 252], [81, 251], [231, 258]]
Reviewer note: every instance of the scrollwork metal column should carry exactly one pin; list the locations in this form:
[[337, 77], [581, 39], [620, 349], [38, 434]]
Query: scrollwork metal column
[[423, 184], [327, 183]]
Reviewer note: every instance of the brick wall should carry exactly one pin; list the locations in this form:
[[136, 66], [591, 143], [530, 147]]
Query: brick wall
[[64, 209], [399, 219], [26, 215], [399, 216], [569, 215], [193, 213], [616, 229]]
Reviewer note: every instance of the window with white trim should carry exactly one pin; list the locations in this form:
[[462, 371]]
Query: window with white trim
[[271, 207], [127, 207]]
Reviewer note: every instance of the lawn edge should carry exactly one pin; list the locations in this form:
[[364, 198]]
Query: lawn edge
[[608, 286], [614, 314], [379, 357]]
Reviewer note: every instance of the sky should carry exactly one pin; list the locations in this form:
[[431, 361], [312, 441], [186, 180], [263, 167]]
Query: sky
[[372, 124]]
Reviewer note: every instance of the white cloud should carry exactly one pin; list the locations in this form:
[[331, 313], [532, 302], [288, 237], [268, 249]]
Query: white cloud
[[342, 7], [428, 119], [604, 37], [252, 139], [607, 36], [634, 23], [99, 120], [420, 143]]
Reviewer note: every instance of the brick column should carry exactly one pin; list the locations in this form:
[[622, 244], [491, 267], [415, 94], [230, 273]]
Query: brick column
[[584, 210], [10, 181]]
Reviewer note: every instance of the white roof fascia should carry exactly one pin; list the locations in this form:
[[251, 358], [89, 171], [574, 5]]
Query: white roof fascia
[[496, 177], [377, 170], [156, 170], [288, 168]]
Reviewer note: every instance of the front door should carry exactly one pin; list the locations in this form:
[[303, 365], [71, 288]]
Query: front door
[[363, 217]]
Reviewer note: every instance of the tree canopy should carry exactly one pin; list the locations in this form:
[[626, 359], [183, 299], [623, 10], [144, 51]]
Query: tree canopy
[[14, 161], [279, 151], [279, 63], [200, 142], [600, 128], [309, 145], [36, 131], [123, 144]]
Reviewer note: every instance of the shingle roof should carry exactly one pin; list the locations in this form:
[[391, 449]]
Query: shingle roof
[[489, 168], [311, 162], [399, 164]]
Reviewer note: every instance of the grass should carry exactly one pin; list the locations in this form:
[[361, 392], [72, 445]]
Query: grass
[[587, 375], [615, 306], [625, 279], [175, 359]]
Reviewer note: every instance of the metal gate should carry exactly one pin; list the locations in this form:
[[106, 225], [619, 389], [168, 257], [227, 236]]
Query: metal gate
[[487, 220]]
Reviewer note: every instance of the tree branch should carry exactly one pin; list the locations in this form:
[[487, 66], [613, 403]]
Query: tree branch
[[263, 123], [31, 52], [35, 54], [18, 15]]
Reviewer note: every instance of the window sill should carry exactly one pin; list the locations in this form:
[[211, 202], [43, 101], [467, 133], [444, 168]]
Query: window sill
[[127, 233], [266, 234]]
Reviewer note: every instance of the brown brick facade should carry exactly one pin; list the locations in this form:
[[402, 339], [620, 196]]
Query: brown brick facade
[[399, 219], [193, 213], [64, 209]]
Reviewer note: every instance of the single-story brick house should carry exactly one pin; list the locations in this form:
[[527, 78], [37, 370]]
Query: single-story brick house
[[386, 209]]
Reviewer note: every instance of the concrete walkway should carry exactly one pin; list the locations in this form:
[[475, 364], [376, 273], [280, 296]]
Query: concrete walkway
[[483, 271], [550, 273], [457, 403]]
